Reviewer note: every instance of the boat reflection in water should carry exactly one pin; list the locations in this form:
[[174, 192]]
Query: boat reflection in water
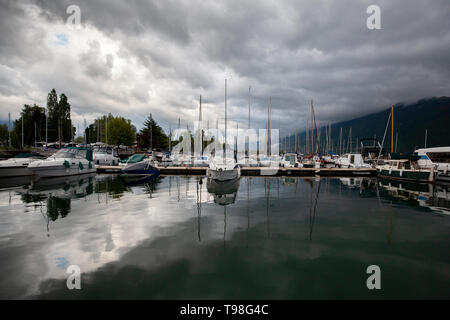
[[15, 182], [70, 187], [433, 196], [224, 192], [436, 197], [54, 195]]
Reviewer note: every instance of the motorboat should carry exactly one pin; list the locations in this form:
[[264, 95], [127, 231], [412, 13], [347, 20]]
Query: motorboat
[[404, 168], [105, 156], [144, 168], [223, 169], [65, 162], [135, 158], [351, 160], [435, 158], [18, 166], [289, 160]]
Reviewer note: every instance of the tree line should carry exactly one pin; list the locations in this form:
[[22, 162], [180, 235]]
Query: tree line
[[54, 124]]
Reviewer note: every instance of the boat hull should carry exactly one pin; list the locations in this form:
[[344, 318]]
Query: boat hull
[[59, 171], [406, 175], [15, 171], [224, 175], [143, 168]]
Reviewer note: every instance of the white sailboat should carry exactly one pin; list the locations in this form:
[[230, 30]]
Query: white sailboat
[[223, 168]]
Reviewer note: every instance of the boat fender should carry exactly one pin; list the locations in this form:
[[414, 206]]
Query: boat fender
[[66, 164], [401, 173], [80, 165], [90, 165]]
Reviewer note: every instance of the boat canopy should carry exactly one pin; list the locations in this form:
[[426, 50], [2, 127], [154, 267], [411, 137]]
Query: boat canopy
[[134, 158]]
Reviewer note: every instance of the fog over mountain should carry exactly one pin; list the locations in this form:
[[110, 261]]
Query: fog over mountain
[[131, 58]]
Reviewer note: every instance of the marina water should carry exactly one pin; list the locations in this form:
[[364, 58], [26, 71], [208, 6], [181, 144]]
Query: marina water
[[176, 237]]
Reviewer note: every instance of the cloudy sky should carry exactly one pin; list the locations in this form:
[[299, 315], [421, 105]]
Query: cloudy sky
[[131, 58]]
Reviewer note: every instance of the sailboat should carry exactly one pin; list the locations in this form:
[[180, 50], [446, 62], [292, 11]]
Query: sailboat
[[223, 168]]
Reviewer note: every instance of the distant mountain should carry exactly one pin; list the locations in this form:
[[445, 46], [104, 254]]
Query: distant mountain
[[410, 122]]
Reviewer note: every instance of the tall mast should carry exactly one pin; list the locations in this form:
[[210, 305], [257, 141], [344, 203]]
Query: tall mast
[[200, 110], [426, 136], [151, 132], [225, 150], [9, 129], [46, 127], [22, 132], [392, 132], [307, 135], [269, 142], [315, 127], [249, 88]]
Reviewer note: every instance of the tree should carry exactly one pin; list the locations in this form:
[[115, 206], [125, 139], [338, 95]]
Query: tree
[[59, 121], [121, 131], [152, 131], [4, 136], [32, 116]]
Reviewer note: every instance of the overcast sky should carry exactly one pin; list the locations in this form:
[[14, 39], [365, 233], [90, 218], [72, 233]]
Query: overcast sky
[[131, 58]]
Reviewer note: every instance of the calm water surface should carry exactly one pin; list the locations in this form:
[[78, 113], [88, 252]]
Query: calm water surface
[[260, 238]]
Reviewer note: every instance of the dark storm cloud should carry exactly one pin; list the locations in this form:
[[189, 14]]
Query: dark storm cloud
[[293, 51]]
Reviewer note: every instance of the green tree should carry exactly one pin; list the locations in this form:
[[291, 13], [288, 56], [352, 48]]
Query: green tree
[[33, 116], [154, 133], [4, 136], [121, 131], [59, 121]]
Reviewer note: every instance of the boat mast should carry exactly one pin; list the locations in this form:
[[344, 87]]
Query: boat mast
[[426, 136], [22, 132], [225, 147], [392, 132], [315, 128], [9, 129], [151, 132], [249, 88], [269, 142]]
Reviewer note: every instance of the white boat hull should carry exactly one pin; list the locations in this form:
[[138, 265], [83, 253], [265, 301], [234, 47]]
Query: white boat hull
[[17, 171], [59, 171], [224, 175]]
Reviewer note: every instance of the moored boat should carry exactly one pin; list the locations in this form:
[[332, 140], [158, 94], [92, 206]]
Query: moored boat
[[223, 169], [65, 162], [436, 158], [404, 168], [140, 169], [18, 166]]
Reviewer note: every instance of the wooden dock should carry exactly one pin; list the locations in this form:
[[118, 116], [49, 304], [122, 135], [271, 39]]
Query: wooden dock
[[257, 171]]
